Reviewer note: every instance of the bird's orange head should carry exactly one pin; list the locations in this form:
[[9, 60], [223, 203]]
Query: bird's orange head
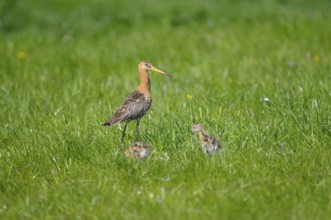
[[147, 66]]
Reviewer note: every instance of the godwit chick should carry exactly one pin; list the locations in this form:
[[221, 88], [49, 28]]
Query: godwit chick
[[138, 150], [209, 144], [137, 104]]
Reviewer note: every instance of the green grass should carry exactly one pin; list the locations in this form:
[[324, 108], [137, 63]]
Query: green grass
[[58, 162]]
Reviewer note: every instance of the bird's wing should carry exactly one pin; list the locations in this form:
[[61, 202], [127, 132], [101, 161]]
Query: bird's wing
[[130, 109], [214, 142]]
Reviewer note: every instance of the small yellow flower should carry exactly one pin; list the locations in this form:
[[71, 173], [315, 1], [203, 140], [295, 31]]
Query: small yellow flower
[[317, 58], [21, 55], [189, 97]]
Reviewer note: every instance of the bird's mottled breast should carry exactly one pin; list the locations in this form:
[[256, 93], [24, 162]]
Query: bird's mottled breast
[[148, 100]]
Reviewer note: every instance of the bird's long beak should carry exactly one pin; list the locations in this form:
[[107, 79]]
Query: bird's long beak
[[160, 71]]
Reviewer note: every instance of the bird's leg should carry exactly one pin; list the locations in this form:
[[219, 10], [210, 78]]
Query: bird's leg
[[137, 129], [123, 133]]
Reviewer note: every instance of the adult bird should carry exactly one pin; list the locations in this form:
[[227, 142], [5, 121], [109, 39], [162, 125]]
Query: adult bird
[[137, 104]]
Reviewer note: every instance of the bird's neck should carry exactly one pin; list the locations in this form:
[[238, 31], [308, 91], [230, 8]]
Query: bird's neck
[[202, 134], [145, 83]]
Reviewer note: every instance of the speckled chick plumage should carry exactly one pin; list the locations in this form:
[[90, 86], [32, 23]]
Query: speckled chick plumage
[[138, 150], [209, 144]]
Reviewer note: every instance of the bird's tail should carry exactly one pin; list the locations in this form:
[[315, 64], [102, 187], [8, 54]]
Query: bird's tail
[[110, 123], [113, 121], [106, 123]]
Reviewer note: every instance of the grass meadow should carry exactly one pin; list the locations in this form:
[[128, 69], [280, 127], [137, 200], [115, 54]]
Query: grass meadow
[[257, 74]]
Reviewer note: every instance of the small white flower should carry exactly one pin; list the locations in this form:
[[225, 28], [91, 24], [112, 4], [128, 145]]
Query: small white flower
[[265, 99]]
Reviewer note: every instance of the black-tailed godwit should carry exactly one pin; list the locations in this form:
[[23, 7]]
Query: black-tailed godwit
[[137, 104]]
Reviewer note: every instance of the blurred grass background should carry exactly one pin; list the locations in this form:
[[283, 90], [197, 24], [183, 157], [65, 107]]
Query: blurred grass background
[[67, 65]]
